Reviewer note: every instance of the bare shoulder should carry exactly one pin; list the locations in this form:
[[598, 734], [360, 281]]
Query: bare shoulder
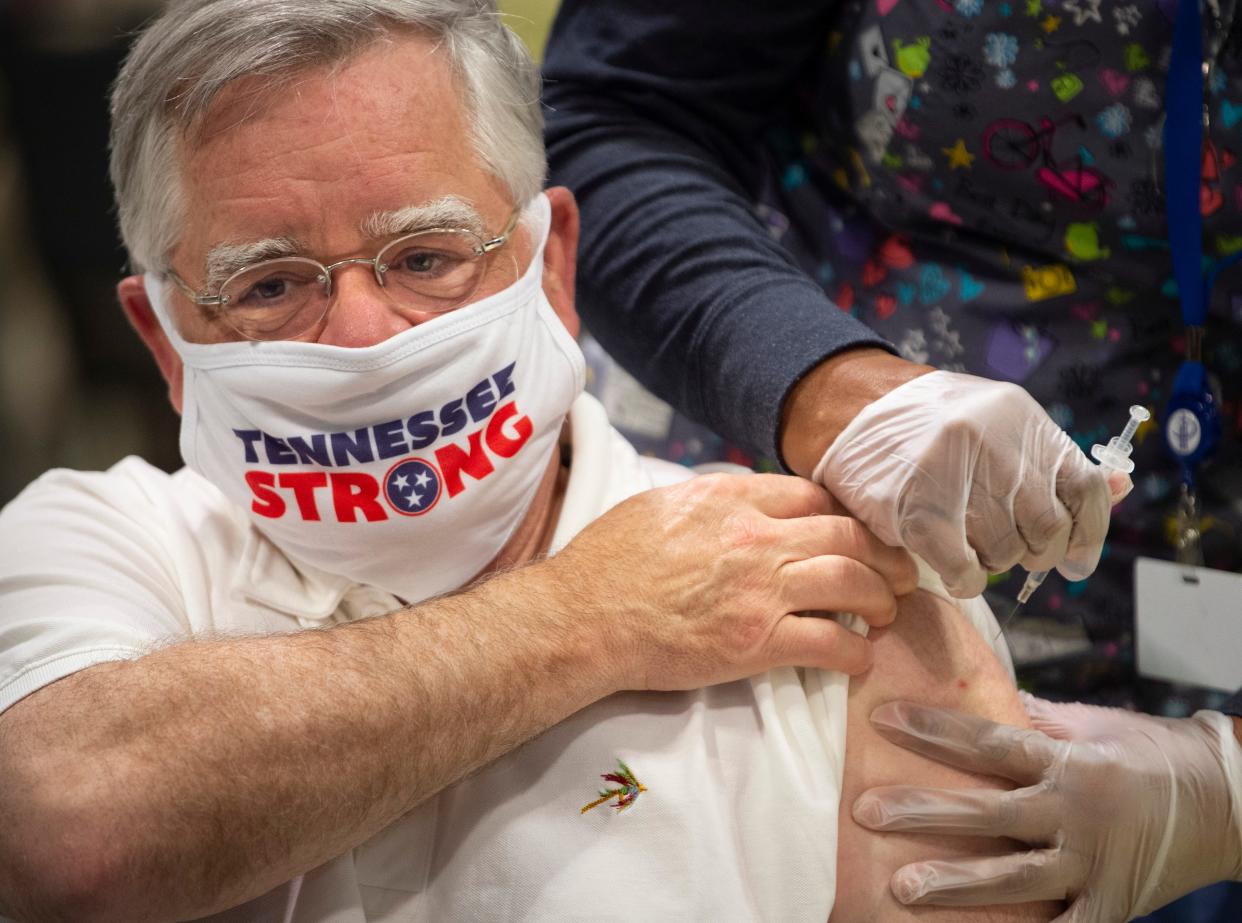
[[933, 653], [930, 654]]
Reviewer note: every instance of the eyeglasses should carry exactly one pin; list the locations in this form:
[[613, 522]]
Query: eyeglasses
[[432, 272]]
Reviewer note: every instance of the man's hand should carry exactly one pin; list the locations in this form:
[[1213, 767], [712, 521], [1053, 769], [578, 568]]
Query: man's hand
[[970, 474], [702, 582], [675, 588], [1125, 812]]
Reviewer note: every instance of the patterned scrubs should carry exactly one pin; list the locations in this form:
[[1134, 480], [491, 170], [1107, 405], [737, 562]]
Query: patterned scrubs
[[998, 209], [978, 181]]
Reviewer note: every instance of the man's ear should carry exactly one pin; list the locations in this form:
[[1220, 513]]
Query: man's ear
[[137, 306], [560, 257]]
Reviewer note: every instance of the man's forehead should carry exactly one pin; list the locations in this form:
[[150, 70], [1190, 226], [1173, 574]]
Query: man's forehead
[[374, 146], [405, 68], [389, 98]]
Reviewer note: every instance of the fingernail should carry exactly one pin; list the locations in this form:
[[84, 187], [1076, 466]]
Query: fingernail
[[907, 887], [867, 811], [886, 716], [1072, 573]]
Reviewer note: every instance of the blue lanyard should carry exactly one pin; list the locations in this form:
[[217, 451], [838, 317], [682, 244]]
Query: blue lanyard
[[1183, 158], [1192, 420]]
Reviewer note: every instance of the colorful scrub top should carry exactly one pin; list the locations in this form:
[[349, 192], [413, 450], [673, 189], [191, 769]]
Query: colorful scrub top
[[980, 182]]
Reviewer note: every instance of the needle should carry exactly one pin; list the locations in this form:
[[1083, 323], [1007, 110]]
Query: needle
[[1000, 629], [1115, 457]]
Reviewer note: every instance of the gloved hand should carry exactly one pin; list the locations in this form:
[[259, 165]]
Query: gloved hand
[[1125, 812], [972, 476]]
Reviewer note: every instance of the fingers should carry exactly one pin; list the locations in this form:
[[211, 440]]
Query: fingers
[[1034, 530], [848, 537], [1002, 548], [1079, 721], [1083, 488], [1058, 514], [1119, 486], [953, 812], [1043, 522], [838, 584], [945, 549], [1051, 718], [817, 641], [782, 496], [1012, 879], [967, 742], [846, 569]]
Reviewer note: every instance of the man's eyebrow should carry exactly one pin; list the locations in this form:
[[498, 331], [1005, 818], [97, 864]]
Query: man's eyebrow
[[448, 212], [225, 259]]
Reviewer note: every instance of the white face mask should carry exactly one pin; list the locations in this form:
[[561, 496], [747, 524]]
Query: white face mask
[[406, 465]]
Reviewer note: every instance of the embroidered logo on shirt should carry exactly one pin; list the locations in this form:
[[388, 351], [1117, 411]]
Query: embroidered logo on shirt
[[627, 789]]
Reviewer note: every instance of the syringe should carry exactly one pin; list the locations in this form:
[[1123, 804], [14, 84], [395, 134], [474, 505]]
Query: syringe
[[1116, 457]]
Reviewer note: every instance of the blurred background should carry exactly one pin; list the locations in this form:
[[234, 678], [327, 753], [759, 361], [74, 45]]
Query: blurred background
[[75, 386]]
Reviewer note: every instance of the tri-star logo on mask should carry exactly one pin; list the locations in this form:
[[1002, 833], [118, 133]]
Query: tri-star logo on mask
[[414, 484], [412, 487], [404, 465]]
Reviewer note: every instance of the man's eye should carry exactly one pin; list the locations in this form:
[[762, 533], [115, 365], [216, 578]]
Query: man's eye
[[271, 289], [422, 262]]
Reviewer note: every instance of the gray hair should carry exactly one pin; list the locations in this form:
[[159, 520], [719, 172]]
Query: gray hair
[[195, 48]]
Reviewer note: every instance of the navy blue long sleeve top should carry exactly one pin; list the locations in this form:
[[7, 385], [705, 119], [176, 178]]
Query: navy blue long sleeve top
[[658, 132], [980, 185]]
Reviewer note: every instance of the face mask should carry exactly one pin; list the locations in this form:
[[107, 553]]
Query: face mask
[[406, 465]]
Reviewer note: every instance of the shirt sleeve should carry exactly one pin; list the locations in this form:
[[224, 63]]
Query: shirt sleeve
[[85, 577], [655, 113]]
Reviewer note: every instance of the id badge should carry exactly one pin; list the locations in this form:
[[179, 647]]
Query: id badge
[[1188, 624]]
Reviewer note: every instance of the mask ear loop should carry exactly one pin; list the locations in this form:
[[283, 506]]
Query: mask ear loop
[[159, 295]]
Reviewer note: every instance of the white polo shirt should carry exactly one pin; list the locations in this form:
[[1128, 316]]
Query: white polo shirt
[[738, 816]]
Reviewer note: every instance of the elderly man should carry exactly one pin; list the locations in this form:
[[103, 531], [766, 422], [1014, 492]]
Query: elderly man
[[254, 688]]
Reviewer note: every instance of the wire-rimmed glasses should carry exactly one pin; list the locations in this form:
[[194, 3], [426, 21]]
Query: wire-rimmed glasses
[[431, 272]]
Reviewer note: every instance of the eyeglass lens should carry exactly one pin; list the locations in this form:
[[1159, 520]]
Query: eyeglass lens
[[283, 298]]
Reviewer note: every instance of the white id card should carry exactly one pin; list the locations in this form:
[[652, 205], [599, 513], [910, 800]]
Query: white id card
[[1188, 624]]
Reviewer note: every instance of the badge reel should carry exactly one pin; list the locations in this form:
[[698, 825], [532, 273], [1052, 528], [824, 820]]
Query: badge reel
[[1192, 431]]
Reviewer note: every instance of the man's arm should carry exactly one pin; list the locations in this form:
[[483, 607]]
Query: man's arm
[[655, 117], [206, 773]]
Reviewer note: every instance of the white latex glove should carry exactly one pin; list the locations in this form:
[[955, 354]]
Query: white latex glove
[[972, 476], [1125, 812]]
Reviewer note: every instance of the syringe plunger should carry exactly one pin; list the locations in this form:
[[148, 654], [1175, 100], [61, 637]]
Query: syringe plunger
[[1116, 454]]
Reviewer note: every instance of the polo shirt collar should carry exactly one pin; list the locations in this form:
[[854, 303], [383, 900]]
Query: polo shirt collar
[[268, 577]]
